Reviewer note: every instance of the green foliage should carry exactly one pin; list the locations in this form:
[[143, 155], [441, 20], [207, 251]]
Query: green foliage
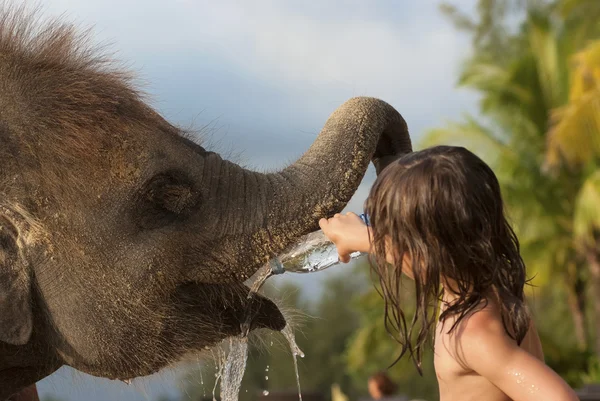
[[561, 350], [584, 15], [592, 376], [587, 214]]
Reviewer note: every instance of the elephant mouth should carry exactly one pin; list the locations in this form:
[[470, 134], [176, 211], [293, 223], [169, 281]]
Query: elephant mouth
[[230, 305], [261, 312]]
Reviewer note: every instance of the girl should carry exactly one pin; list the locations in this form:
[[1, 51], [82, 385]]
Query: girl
[[437, 216]]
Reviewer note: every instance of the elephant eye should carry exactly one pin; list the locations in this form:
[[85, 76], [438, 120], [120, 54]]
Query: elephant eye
[[172, 197], [164, 199]]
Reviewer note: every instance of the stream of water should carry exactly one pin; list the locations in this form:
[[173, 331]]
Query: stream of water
[[261, 276], [235, 366], [232, 354], [296, 352]]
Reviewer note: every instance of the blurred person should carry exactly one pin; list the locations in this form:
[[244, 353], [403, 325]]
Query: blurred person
[[437, 217], [381, 387]]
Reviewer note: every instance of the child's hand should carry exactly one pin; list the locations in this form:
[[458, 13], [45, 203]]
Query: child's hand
[[348, 232]]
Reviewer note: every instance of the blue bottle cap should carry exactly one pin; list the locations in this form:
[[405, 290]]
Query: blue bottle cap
[[276, 266], [364, 217]]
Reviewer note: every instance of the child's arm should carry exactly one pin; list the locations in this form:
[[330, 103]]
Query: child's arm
[[483, 346], [348, 232]]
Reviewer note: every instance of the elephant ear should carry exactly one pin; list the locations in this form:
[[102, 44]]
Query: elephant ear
[[16, 320]]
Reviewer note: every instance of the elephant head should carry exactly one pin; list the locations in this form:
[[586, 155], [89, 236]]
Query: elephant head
[[123, 243]]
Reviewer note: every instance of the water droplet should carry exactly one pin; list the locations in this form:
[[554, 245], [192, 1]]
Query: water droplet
[[266, 377], [265, 392]]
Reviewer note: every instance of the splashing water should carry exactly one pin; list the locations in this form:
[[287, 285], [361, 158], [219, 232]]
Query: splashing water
[[202, 383], [235, 366], [265, 391], [260, 279], [220, 361], [258, 282], [287, 331], [296, 351], [232, 365], [289, 336], [521, 380]]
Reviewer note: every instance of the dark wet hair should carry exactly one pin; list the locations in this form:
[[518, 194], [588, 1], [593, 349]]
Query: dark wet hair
[[385, 385], [442, 206]]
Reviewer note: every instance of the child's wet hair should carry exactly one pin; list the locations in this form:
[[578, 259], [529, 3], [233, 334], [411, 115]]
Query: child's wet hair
[[443, 208]]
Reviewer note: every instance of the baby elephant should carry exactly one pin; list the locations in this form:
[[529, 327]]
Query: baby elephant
[[123, 243]]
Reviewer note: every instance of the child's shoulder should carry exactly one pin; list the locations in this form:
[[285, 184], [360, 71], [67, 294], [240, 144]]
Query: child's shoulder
[[480, 332], [483, 321]]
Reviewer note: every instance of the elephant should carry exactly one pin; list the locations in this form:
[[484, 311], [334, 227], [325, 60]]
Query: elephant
[[124, 243]]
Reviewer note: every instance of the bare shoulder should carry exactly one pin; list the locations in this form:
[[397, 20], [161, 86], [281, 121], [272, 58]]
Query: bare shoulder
[[481, 332], [484, 330], [482, 323], [483, 348], [485, 320]]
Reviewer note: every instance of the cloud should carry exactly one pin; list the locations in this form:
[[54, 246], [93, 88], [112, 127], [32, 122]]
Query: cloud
[[403, 52]]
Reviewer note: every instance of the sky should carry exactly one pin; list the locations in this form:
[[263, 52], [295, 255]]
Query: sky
[[261, 77]]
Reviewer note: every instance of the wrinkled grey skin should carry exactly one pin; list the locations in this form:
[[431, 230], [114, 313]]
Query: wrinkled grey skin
[[124, 245]]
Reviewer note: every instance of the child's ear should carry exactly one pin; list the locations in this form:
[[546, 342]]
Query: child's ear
[[16, 320]]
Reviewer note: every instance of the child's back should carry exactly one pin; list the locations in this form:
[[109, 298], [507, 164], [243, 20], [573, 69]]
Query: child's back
[[457, 380]]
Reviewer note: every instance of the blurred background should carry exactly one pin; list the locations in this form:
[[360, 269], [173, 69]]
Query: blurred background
[[516, 81]]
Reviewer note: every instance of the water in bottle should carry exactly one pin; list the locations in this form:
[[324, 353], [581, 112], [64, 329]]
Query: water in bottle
[[313, 252]]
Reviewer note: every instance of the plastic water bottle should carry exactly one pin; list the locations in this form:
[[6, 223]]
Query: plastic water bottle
[[313, 252]]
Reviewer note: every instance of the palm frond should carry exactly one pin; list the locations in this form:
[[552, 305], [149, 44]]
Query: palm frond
[[544, 47], [574, 136], [575, 139]]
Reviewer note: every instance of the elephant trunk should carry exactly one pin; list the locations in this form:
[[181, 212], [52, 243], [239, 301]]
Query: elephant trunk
[[319, 184]]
